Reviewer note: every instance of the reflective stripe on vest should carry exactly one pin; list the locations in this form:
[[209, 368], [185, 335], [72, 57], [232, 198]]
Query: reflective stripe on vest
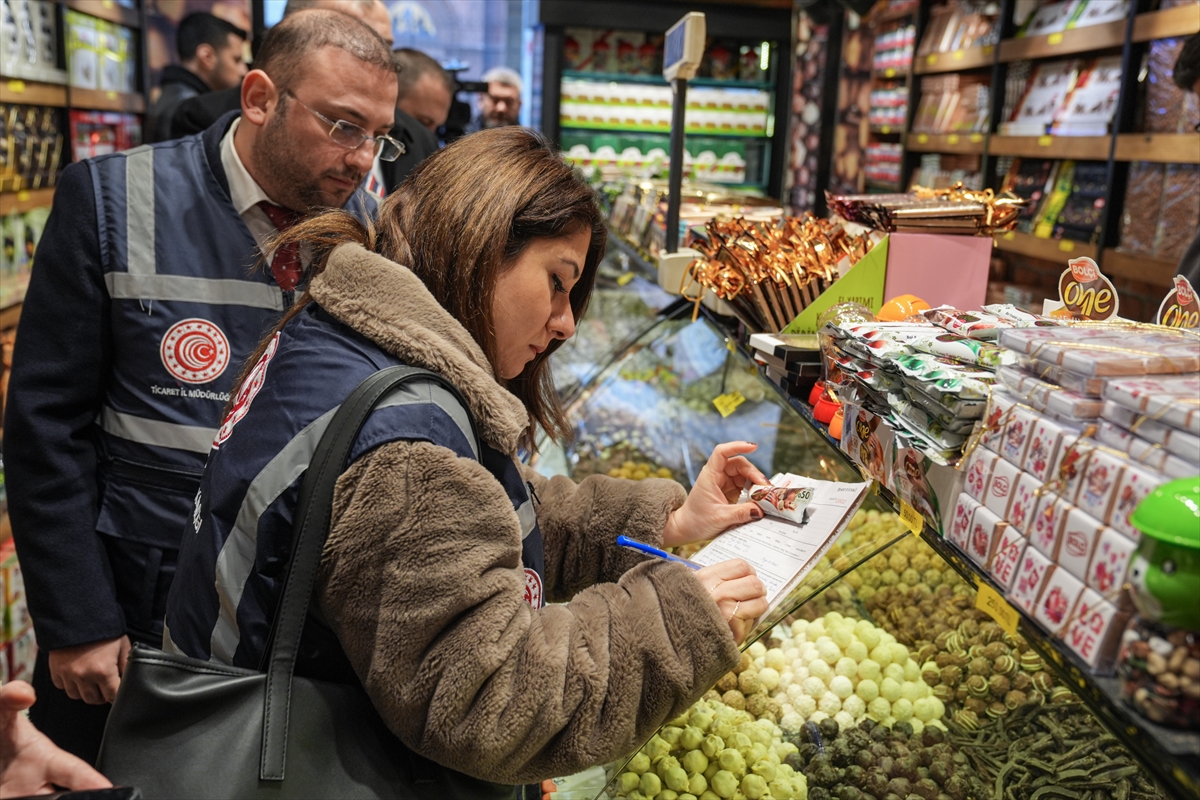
[[156, 433], [236, 559], [139, 211], [128, 286]]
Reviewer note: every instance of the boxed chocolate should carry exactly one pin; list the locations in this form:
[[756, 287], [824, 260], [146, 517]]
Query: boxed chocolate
[[1044, 441], [1000, 489], [1024, 500], [1110, 562], [1016, 435], [960, 528], [1132, 488], [1182, 443], [1171, 400], [1057, 603], [1045, 531], [1077, 542], [1010, 546], [986, 528], [1100, 476], [1094, 632], [1031, 576], [978, 472]]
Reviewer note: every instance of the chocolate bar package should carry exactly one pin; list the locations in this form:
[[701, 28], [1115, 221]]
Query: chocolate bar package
[[1181, 443], [1071, 381], [1143, 452], [1171, 400], [1104, 350], [1047, 397]]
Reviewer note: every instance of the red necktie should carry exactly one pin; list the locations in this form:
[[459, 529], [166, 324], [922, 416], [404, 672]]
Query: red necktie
[[285, 265]]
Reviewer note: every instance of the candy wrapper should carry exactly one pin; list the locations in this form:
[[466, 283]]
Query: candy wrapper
[[1100, 478], [960, 528], [1077, 542], [1143, 196], [955, 210], [1014, 317], [1045, 532], [1031, 576], [1108, 349], [967, 351], [1143, 452], [1132, 488], [1024, 500], [1010, 547], [999, 491], [999, 411], [978, 473], [1181, 443], [1173, 401], [972, 324], [945, 405], [1110, 562], [1094, 631], [1047, 397], [1016, 435], [785, 502], [1044, 441], [1057, 603], [986, 528], [1053, 373]]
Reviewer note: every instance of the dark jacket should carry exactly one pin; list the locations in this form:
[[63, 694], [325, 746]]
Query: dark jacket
[[198, 113], [178, 84], [419, 143]]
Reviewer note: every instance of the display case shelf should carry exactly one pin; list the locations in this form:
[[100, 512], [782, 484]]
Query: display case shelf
[[1173, 757], [891, 74], [35, 93], [1166, 148], [109, 10], [1179, 21], [886, 130], [1046, 249], [1086, 148], [966, 143], [568, 126], [97, 100], [955, 60], [659, 80], [1139, 267], [893, 14], [1106, 36], [25, 200]]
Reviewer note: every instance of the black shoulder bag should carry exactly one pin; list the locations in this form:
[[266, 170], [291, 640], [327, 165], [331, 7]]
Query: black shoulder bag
[[185, 728]]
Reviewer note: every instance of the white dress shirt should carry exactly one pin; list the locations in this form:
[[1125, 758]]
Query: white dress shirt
[[245, 192]]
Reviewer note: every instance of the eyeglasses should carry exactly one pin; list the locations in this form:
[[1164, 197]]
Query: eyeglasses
[[510, 101], [351, 136]]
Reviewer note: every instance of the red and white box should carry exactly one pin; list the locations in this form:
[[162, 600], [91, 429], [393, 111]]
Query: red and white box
[[1099, 483], [1030, 578], [1016, 435], [1006, 555], [1048, 517], [1058, 600], [1077, 542], [1044, 442], [960, 526], [978, 472], [1024, 499], [1095, 630], [1000, 488], [1110, 561], [997, 415], [1132, 488], [986, 528], [22, 652], [1070, 465]]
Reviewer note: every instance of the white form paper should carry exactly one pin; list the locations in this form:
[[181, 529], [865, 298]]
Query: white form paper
[[783, 552]]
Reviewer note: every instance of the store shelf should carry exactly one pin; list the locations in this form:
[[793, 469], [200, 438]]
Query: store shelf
[[955, 61], [97, 100], [658, 80], [566, 126], [1056, 45], [1166, 148], [891, 74], [967, 143], [640, 261], [1178, 21], [1058, 250], [1089, 148], [883, 186], [1138, 267], [34, 93], [107, 10], [25, 200], [9, 316], [886, 130]]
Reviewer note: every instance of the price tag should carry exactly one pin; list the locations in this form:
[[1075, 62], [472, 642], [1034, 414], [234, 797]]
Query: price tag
[[111, 95], [1066, 245], [16, 87], [922, 138], [1045, 141], [989, 601], [1054, 38], [1010, 235], [952, 139], [987, 50], [911, 518], [959, 55], [22, 195], [107, 3], [931, 59], [976, 138], [889, 73], [624, 278], [886, 129], [728, 403]]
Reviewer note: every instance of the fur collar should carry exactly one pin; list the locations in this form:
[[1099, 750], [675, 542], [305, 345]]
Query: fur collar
[[390, 305]]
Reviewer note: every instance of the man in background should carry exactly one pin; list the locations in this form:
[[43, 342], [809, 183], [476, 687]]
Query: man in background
[[501, 105], [426, 91], [210, 59], [1187, 77], [199, 113]]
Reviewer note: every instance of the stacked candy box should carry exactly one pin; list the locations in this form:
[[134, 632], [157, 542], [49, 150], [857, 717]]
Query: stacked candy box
[[1155, 419]]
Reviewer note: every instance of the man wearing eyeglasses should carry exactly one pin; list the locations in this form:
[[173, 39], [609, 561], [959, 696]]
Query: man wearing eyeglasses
[[155, 279], [500, 105]]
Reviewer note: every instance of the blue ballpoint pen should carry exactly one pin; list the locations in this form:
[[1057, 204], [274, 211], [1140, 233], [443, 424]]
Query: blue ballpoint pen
[[642, 547]]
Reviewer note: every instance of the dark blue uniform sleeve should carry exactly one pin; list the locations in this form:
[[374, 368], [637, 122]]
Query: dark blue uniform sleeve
[[60, 366]]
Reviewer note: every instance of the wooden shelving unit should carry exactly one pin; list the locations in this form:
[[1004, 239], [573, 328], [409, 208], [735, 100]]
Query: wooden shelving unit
[[1107, 36], [97, 100], [966, 143], [25, 200], [1090, 148], [34, 93], [954, 61], [1139, 267], [1167, 148], [1047, 249], [108, 10], [1178, 21]]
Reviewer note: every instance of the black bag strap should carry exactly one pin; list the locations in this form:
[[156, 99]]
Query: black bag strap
[[313, 515]]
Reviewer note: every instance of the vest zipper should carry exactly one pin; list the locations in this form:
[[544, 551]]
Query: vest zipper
[[533, 492]]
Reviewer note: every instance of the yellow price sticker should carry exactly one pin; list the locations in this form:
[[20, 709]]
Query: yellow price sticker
[[987, 50], [111, 95], [1054, 38], [976, 138], [911, 518], [107, 4], [886, 129], [931, 58], [728, 403], [952, 139], [1066, 245], [989, 601], [624, 278], [889, 73], [959, 55], [1045, 141], [22, 195], [922, 138], [16, 87], [1010, 235]]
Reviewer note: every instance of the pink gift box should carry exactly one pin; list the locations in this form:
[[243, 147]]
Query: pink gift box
[[1000, 488], [1016, 435], [1110, 560], [1030, 578], [979, 472], [1132, 488], [1070, 465], [985, 528], [1044, 442], [1024, 499], [1048, 517], [1099, 484], [1010, 546], [1058, 601], [917, 263], [999, 408], [1094, 632], [1077, 542], [960, 526]]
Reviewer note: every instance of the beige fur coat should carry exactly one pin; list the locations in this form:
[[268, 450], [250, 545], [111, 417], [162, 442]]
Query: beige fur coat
[[422, 581]]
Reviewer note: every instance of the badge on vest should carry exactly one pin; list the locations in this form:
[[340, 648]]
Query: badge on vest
[[195, 351], [533, 588], [245, 393]]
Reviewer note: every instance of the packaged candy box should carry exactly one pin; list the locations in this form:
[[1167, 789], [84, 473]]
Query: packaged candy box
[[1098, 487], [1058, 601], [1173, 401], [1010, 546], [1045, 530], [960, 525], [978, 473], [1110, 562], [986, 527], [1094, 632], [1031, 576], [1077, 542], [1044, 441], [1000, 488]]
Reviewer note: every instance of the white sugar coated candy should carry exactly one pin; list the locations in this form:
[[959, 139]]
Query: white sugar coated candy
[[816, 629], [791, 654], [902, 710], [808, 652], [846, 666], [794, 692], [818, 668], [923, 709], [910, 691], [939, 708], [895, 672], [805, 706], [917, 725], [814, 687], [842, 686], [833, 617], [882, 655], [785, 677], [889, 690], [829, 703], [774, 659], [828, 651], [878, 708], [842, 636], [791, 722], [768, 678], [867, 689], [799, 673], [857, 650], [759, 662], [899, 653], [798, 627], [855, 706], [757, 650], [844, 720], [818, 716], [912, 671], [870, 636], [869, 671]]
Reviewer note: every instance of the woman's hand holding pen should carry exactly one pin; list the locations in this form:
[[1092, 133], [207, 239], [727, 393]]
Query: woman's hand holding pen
[[711, 507], [738, 593]]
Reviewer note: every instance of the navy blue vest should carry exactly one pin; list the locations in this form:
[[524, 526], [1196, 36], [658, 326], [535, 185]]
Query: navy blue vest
[[231, 562], [189, 304]]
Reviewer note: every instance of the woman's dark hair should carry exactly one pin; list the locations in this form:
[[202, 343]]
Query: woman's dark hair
[[462, 217]]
